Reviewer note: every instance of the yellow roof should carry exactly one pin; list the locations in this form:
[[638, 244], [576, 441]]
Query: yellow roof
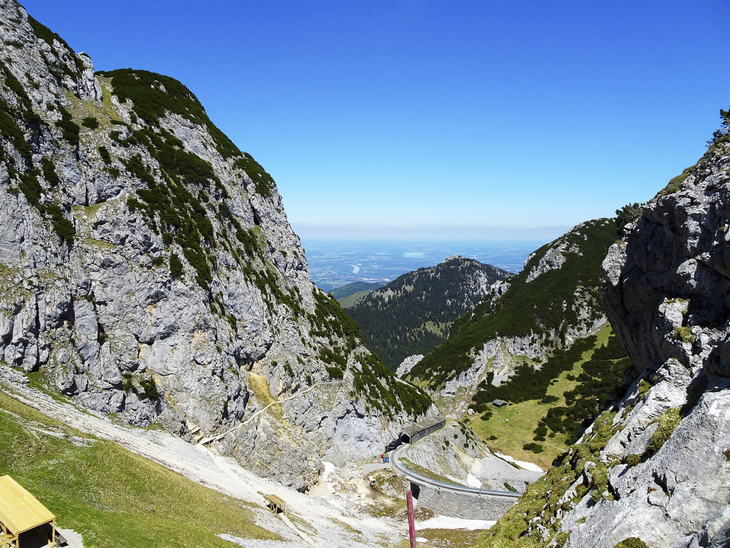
[[19, 510]]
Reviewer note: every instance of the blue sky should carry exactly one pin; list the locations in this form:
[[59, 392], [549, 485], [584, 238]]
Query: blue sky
[[459, 119]]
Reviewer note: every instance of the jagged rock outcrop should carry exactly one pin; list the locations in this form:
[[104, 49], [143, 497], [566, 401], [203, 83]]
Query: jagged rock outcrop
[[656, 466], [667, 291], [668, 282], [406, 365], [553, 259], [148, 269]]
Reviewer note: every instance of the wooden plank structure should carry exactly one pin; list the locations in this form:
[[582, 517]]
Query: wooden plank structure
[[275, 504], [20, 512]]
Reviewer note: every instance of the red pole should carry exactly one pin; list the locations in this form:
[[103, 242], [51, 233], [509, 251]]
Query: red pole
[[411, 524]]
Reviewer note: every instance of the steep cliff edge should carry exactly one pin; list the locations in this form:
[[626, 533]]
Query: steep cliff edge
[[147, 269], [656, 467]]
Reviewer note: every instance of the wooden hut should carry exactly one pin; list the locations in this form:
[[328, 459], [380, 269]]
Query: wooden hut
[[20, 512]]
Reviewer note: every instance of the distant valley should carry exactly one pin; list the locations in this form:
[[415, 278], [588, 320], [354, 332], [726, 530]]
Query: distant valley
[[334, 263]]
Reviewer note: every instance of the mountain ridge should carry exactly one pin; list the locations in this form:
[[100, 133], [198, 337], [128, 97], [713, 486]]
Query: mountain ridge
[[411, 314], [160, 279]]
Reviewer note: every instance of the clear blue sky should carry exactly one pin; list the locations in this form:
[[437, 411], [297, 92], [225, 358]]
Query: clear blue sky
[[453, 117]]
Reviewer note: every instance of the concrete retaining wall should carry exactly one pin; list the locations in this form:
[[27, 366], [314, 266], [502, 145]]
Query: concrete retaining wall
[[463, 505]]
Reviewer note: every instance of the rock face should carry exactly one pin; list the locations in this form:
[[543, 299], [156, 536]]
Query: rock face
[[406, 365], [656, 467], [668, 282], [147, 269], [667, 297]]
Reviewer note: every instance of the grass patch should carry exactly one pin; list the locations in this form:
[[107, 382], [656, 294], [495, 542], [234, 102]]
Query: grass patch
[[260, 388], [108, 493], [632, 542], [106, 98], [668, 421], [509, 429], [35, 380], [684, 334]]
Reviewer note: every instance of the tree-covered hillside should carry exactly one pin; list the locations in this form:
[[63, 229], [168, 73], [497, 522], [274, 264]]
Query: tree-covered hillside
[[349, 295], [414, 312], [559, 288]]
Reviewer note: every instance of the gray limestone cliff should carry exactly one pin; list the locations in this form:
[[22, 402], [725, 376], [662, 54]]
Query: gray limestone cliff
[[147, 269], [654, 469], [668, 298]]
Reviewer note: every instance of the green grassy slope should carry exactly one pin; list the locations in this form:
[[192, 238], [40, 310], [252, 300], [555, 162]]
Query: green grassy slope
[[546, 303], [111, 496], [343, 291], [547, 413]]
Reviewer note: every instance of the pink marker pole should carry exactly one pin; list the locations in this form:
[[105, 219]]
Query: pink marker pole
[[411, 523]]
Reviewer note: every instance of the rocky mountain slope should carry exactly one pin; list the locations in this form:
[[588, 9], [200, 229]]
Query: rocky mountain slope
[[414, 312], [553, 302], [655, 469], [147, 269]]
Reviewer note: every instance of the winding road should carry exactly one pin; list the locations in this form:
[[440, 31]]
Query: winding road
[[423, 481]]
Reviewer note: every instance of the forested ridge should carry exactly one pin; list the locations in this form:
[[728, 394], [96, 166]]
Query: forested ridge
[[413, 313], [548, 304]]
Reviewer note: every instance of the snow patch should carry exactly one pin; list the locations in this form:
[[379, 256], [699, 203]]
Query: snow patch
[[472, 481], [521, 464], [328, 469]]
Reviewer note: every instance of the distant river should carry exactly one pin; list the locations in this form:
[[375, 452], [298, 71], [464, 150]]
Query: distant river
[[333, 263]]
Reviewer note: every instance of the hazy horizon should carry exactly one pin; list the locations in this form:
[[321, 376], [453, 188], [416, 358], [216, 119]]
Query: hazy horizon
[[426, 232]]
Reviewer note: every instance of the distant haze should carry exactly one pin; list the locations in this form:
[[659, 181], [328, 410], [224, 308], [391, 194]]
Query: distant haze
[[426, 232], [336, 262]]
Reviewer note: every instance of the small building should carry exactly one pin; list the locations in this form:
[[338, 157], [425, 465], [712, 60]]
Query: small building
[[276, 504], [21, 512], [423, 428], [499, 403]]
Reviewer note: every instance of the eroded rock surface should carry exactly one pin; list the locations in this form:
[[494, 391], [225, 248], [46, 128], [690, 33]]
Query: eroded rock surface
[[147, 269], [667, 296]]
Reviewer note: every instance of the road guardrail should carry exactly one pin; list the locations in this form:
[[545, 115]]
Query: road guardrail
[[425, 481]]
